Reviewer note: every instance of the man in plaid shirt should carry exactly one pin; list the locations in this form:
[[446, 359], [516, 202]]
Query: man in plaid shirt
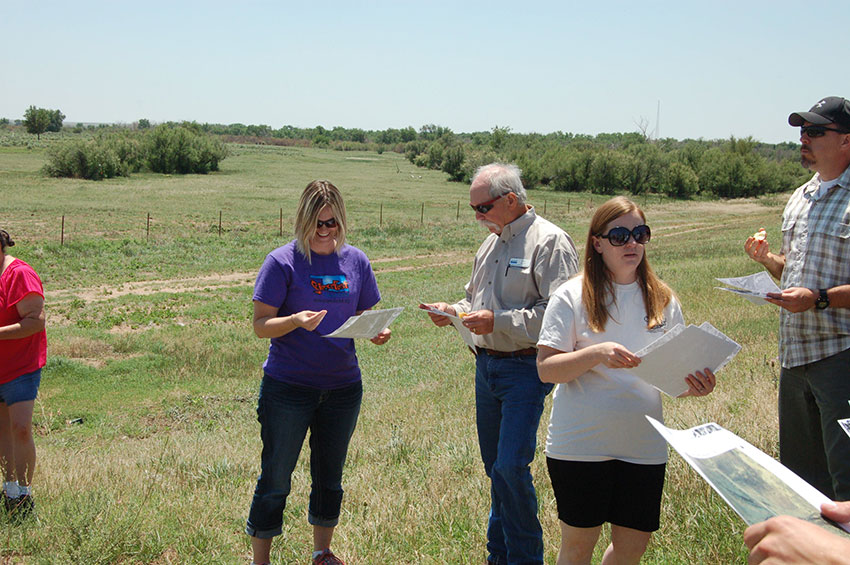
[[814, 330]]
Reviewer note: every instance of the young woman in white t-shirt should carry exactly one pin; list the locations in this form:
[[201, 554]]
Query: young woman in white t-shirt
[[605, 461]]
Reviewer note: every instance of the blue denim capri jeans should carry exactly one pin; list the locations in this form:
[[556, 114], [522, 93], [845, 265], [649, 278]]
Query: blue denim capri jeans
[[285, 413]]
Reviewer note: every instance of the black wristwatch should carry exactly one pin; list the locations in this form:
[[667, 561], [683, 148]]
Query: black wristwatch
[[822, 301]]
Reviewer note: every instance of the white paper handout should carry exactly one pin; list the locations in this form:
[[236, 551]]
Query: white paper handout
[[464, 332], [752, 287], [438, 312], [754, 484], [681, 351], [845, 425], [368, 324]]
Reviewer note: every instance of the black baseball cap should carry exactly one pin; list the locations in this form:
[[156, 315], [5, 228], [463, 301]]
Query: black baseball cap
[[830, 110]]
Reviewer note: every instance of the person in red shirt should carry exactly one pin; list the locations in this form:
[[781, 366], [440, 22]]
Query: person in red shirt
[[23, 352]]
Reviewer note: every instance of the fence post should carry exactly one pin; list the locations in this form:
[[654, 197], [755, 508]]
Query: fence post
[[280, 233], [422, 214], [457, 217], [568, 205], [62, 238], [148, 227], [545, 202], [219, 223]]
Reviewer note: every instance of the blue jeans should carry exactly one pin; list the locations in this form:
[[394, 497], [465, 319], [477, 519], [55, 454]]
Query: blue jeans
[[811, 443], [285, 413], [508, 405]]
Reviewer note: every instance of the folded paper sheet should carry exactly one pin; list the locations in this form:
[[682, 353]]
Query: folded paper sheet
[[464, 332], [682, 351], [368, 324], [752, 287]]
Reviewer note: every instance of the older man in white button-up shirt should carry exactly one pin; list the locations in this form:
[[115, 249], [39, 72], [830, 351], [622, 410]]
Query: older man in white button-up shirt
[[515, 271]]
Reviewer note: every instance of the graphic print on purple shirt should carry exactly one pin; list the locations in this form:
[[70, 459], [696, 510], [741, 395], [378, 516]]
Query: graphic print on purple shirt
[[342, 284], [329, 283]]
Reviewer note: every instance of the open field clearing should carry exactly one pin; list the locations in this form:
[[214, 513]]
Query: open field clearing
[[147, 434]]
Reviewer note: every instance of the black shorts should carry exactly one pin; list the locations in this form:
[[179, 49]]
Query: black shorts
[[590, 493]]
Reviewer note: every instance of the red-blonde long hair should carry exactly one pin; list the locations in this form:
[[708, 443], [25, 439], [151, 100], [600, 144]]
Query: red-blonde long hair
[[597, 289]]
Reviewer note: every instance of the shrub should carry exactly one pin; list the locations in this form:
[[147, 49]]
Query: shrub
[[726, 174], [453, 163], [181, 150], [680, 181], [92, 160]]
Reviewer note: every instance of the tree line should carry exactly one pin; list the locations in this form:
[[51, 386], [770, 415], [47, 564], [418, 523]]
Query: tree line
[[606, 163]]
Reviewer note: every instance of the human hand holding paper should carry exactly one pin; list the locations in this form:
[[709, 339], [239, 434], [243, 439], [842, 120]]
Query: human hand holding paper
[[439, 312], [442, 315], [755, 287]]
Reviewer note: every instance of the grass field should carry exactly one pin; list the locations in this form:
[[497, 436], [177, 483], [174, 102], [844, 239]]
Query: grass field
[[146, 427]]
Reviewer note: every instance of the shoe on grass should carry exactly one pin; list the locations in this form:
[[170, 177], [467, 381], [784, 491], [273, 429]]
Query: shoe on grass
[[22, 507], [327, 557]]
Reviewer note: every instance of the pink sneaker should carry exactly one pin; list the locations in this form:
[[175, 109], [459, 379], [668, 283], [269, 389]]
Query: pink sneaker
[[328, 558]]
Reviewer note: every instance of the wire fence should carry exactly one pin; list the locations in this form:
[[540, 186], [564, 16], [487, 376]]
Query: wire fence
[[223, 223]]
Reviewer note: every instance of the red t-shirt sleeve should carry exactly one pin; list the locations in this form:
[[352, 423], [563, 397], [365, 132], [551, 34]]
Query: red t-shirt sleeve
[[23, 282]]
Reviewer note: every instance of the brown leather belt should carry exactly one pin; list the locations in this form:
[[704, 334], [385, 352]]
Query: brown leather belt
[[527, 352]]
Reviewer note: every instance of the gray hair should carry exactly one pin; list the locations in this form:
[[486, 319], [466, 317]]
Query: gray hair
[[502, 178]]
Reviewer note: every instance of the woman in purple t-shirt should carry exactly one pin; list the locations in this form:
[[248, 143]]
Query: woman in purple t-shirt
[[307, 289]]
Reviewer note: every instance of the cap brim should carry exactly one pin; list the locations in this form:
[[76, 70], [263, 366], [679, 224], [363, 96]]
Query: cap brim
[[797, 118]]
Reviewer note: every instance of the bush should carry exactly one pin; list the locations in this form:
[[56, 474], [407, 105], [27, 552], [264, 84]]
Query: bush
[[680, 181], [453, 163], [92, 160], [180, 150], [726, 174], [165, 149]]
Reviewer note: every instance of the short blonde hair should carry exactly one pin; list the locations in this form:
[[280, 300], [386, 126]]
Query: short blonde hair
[[317, 195]]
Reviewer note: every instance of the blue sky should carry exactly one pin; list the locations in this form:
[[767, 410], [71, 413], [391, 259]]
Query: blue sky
[[717, 68]]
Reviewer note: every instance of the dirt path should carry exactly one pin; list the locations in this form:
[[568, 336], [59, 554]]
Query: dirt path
[[381, 265], [192, 284]]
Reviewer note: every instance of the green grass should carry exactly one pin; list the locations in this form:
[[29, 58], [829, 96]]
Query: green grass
[[150, 345]]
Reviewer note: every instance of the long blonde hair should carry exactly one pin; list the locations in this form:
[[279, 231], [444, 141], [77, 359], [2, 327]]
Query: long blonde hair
[[317, 195], [597, 289]]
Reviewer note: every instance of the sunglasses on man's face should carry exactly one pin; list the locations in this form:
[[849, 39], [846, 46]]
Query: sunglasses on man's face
[[620, 236], [817, 131], [331, 223], [485, 207]]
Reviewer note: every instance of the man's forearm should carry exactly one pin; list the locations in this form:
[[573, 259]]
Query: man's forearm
[[774, 264]]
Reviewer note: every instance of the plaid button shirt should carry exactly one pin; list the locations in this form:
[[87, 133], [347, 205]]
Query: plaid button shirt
[[816, 245]]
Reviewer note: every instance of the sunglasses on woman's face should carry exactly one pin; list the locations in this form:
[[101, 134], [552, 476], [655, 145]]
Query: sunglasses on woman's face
[[817, 131], [484, 207], [620, 236], [331, 223]]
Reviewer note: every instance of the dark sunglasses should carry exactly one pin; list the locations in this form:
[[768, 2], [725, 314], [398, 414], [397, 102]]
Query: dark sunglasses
[[620, 236], [817, 131], [331, 223], [484, 207]]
